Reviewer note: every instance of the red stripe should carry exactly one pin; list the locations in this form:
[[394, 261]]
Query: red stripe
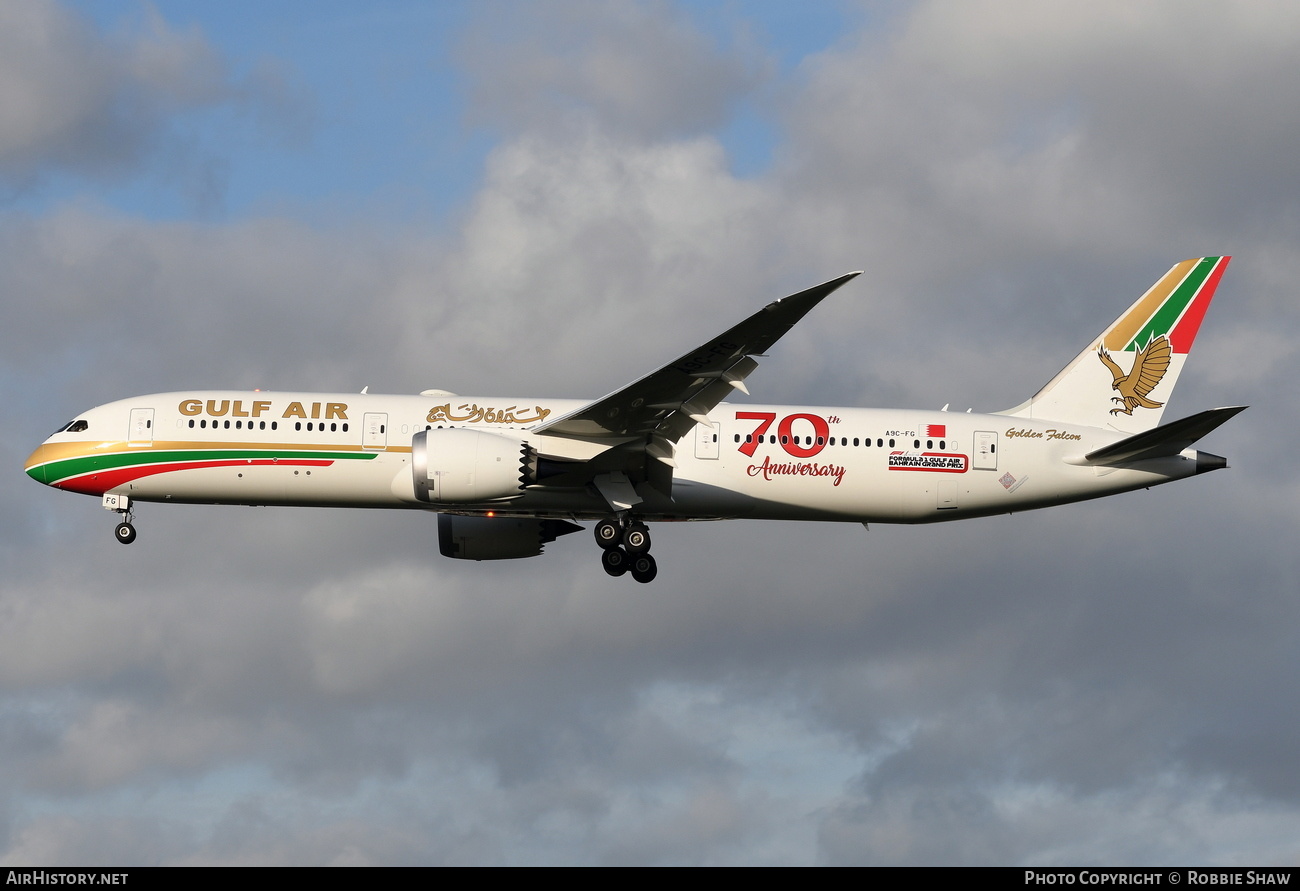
[[101, 482], [1180, 339]]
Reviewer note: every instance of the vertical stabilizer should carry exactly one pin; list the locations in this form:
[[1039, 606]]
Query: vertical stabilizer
[[1123, 379]]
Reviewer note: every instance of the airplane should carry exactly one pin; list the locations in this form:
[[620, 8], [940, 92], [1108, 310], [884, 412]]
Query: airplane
[[507, 476]]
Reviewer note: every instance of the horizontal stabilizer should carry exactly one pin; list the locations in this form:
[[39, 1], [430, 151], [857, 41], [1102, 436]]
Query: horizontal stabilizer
[[1162, 441]]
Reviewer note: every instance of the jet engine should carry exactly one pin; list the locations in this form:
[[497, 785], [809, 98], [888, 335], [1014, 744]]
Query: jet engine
[[452, 465], [497, 538]]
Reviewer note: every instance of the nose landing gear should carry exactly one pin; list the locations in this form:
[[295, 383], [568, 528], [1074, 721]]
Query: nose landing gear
[[121, 504], [626, 548], [125, 532]]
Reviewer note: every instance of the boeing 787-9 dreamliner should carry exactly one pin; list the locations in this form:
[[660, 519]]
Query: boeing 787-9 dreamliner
[[507, 475]]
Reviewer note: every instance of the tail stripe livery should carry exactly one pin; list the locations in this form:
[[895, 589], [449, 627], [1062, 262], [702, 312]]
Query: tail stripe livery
[[1174, 306]]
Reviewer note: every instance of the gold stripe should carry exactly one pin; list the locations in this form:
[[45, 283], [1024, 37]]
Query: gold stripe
[[1131, 322], [56, 451], [189, 444]]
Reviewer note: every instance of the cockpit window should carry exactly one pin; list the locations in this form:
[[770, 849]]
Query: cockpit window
[[77, 426]]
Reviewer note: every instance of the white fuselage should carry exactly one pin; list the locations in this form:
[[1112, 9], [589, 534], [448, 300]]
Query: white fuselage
[[755, 461]]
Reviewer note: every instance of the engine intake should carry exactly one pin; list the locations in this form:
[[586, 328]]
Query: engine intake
[[453, 465]]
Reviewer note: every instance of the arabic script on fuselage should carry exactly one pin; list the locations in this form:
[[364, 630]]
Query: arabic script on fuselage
[[473, 413]]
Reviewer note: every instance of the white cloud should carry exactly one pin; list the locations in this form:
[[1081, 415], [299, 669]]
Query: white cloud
[[73, 99], [640, 69]]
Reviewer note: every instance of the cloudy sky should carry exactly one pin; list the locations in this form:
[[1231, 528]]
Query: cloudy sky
[[554, 198]]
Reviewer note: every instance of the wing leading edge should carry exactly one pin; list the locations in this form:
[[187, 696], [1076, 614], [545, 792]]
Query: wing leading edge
[[662, 407]]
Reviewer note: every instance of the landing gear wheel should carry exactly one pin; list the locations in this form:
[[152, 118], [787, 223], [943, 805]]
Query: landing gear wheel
[[615, 561], [608, 534], [644, 568], [125, 533], [637, 539]]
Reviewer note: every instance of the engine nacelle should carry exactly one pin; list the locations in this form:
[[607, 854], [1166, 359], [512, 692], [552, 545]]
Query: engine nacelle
[[497, 538], [453, 465]]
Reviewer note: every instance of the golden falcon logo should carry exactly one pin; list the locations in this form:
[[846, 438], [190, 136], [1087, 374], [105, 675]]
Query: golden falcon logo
[[1149, 367]]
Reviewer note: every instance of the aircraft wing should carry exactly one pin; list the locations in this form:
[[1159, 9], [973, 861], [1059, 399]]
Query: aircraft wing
[[662, 407]]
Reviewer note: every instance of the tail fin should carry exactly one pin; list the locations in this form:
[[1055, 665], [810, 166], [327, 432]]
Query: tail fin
[[1123, 379]]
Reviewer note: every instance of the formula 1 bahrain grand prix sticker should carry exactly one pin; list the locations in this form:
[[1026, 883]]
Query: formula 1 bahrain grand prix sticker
[[938, 462]]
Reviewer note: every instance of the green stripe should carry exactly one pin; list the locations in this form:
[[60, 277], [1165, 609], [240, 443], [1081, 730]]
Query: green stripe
[[70, 467], [1163, 320]]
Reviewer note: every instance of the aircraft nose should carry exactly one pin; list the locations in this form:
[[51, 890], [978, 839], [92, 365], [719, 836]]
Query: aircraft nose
[[36, 463]]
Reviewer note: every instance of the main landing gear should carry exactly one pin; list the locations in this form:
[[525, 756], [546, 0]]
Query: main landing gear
[[626, 549], [121, 504]]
